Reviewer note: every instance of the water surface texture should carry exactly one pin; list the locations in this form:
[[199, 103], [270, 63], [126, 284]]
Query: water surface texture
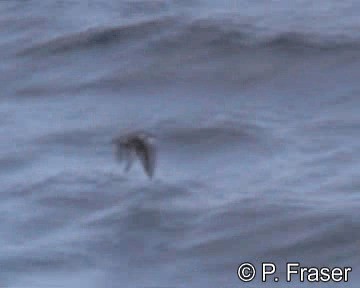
[[255, 107]]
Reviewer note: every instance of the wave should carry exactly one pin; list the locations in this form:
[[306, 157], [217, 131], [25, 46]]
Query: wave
[[173, 50], [211, 133], [171, 33], [100, 36]]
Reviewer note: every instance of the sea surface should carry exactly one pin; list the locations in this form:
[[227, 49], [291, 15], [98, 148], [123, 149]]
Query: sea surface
[[255, 106]]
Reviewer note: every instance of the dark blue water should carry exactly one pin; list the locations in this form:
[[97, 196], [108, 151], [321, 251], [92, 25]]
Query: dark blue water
[[255, 109]]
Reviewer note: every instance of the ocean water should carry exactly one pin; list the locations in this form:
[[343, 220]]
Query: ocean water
[[255, 108]]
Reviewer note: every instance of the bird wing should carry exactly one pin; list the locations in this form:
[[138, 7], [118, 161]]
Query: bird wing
[[147, 156]]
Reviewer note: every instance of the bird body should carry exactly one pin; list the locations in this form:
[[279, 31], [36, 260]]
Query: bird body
[[140, 145]]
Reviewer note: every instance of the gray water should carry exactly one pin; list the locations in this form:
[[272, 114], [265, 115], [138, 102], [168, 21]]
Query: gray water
[[255, 108]]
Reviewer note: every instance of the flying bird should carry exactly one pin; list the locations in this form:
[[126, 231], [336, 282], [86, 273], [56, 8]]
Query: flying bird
[[138, 144]]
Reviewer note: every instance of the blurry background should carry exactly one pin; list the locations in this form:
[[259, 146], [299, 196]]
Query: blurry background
[[255, 105]]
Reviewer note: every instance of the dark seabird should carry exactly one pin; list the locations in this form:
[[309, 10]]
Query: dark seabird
[[140, 145]]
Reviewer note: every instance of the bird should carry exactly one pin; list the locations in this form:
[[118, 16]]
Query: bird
[[136, 144]]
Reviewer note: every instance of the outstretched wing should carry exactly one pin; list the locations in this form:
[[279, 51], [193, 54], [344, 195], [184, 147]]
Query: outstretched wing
[[147, 155], [140, 145]]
